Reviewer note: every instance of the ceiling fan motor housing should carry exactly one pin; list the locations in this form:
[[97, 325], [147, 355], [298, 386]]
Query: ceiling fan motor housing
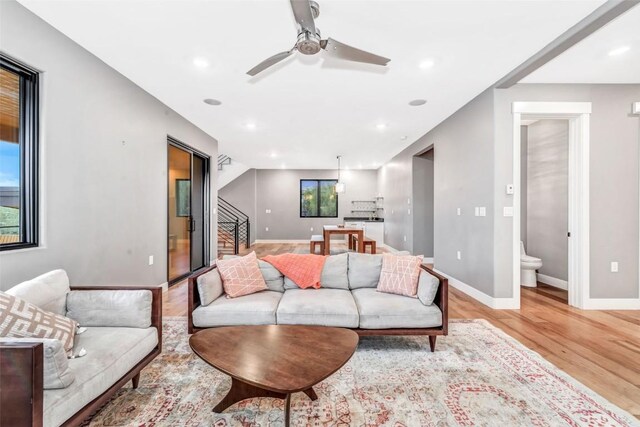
[[308, 44]]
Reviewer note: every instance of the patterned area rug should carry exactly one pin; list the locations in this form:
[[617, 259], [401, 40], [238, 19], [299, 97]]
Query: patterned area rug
[[478, 376]]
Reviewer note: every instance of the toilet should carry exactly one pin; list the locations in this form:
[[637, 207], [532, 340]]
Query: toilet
[[528, 267]]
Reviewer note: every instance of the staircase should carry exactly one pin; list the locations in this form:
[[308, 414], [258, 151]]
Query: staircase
[[228, 170], [234, 230]]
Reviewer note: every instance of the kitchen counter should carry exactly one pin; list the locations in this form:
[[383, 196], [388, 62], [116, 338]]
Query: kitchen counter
[[364, 219]]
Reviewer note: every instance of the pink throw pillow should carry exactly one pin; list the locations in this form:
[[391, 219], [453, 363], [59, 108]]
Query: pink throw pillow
[[400, 274], [241, 276]]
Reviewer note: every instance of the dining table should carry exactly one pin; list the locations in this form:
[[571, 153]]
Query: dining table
[[329, 230]]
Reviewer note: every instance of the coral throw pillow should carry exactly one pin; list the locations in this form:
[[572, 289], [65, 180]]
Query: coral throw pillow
[[21, 319], [400, 274], [241, 276]]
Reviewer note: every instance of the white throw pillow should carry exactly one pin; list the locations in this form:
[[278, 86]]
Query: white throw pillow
[[48, 291], [427, 287], [210, 286]]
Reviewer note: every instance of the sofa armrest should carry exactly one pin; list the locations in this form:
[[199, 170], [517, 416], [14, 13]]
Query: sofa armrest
[[442, 297], [156, 302], [21, 376], [194, 296]]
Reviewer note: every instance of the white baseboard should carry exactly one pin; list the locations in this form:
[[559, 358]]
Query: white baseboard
[[612, 304], [281, 241], [552, 281], [489, 301], [164, 286]]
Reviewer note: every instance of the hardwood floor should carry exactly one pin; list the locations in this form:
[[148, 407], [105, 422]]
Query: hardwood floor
[[601, 349]]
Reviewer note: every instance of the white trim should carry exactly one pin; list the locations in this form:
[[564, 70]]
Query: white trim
[[489, 301], [164, 286], [281, 241], [612, 304], [552, 281], [553, 108], [578, 115], [428, 260]]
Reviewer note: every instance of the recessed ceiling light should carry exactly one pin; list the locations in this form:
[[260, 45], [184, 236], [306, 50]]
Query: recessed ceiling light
[[375, 164], [283, 166], [619, 51], [250, 125], [212, 101], [417, 102], [403, 137], [200, 62], [360, 166], [381, 126], [274, 155], [427, 63]]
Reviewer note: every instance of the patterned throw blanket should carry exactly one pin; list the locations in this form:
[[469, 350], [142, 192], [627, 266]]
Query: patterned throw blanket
[[303, 269]]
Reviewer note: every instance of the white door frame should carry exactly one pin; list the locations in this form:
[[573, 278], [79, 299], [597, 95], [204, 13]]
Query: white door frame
[[578, 114]]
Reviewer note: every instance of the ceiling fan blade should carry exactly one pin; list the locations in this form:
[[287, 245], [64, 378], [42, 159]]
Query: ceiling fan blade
[[343, 51], [270, 61], [304, 16]]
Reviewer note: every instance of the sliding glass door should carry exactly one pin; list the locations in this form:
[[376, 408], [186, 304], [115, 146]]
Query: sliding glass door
[[188, 214]]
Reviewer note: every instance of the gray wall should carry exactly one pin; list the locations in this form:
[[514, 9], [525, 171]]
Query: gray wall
[[423, 204], [548, 196], [279, 191], [463, 178], [241, 192], [104, 163], [613, 180], [523, 184]]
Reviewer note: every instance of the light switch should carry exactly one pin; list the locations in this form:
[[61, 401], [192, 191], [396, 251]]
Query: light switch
[[405, 238], [458, 255], [507, 211], [311, 228], [459, 211], [268, 211], [483, 211], [408, 201], [150, 259], [408, 211], [477, 211], [266, 229], [614, 266]]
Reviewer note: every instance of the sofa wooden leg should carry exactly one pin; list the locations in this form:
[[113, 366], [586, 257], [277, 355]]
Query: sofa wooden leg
[[135, 380], [432, 342]]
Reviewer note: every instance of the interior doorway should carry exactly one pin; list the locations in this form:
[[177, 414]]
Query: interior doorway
[[187, 207], [577, 115], [544, 207], [423, 204]]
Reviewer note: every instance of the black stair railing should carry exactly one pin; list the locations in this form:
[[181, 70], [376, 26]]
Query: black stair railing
[[234, 227]]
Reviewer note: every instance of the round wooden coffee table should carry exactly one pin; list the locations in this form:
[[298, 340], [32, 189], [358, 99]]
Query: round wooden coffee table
[[274, 360]]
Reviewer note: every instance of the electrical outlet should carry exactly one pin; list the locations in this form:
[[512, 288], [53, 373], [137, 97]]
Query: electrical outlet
[[311, 229], [215, 211], [614, 266], [507, 211], [150, 259], [459, 211], [405, 238], [408, 211], [408, 201], [268, 211], [266, 229], [458, 255]]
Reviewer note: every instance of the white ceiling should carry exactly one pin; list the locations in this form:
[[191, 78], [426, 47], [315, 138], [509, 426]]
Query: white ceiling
[[307, 110], [589, 61]]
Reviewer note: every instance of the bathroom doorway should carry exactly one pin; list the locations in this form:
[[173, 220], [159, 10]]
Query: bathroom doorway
[[544, 206], [577, 117]]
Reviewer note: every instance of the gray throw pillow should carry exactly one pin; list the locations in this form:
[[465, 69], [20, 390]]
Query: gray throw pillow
[[427, 287], [117, 308], [56, 372], [210, 286], [273, 277], [334, 272]]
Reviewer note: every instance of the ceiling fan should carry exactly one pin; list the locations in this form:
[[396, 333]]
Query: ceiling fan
[[310, 43]]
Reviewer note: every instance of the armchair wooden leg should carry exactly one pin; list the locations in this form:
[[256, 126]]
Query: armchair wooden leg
[[135, 380], [432, 342]]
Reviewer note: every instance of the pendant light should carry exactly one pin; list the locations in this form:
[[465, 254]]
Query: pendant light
[[340, 187]]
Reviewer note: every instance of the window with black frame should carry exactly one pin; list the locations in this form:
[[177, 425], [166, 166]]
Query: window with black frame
[[318, 198], [18, 155]]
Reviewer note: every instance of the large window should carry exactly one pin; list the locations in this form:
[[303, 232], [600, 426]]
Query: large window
[[18, 155], [318, 198]]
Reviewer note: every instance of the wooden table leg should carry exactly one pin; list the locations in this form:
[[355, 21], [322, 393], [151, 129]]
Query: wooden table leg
[[241, 391], [311, 393], [287, 410], [361, 241], [327, 244]]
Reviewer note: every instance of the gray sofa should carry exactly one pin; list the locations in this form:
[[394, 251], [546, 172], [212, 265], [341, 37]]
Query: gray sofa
[[348, 298], [123, 334]]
